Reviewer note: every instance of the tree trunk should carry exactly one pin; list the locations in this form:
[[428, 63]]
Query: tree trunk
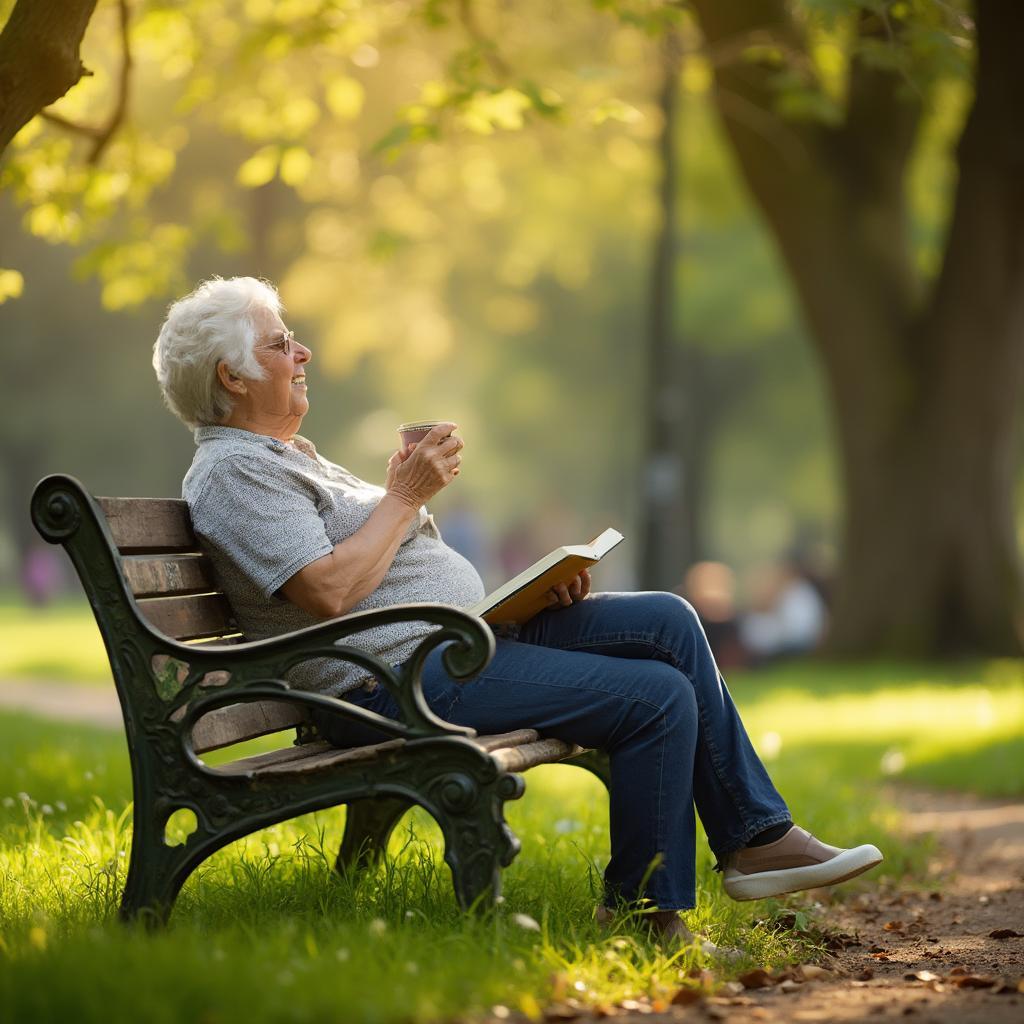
[[664, 555], [925, 394], [39, 58]]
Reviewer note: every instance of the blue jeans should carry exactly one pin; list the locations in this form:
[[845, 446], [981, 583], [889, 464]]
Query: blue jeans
[[631, 674]]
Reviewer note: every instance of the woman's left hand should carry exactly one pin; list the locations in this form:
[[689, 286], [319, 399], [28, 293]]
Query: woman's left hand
[[573, 592]]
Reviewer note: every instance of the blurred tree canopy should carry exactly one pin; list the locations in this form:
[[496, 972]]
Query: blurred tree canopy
[[499, 161]]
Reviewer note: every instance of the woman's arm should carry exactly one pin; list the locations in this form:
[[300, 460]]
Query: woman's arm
[[334, 584]]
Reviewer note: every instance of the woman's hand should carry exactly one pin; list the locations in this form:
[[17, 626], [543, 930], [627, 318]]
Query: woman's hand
[[417, 472], [566, 594]]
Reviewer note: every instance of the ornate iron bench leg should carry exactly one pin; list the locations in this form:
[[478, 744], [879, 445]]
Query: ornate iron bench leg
[[478, 842], [368, 826], [156, 873]]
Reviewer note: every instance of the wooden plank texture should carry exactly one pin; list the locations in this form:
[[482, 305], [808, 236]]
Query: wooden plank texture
[[240, 722], [518, 759], [168, 575], [188, 618], [318, 757], [149, 524]]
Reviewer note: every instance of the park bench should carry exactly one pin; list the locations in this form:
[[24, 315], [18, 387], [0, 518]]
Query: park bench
[[190, 683]]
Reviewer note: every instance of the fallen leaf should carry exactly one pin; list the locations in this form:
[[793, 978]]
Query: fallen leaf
[[921, 976], [893, 926], [974, 981], [687, 996], [866, 975], [958, 971], [757, 978], [1005, 933]]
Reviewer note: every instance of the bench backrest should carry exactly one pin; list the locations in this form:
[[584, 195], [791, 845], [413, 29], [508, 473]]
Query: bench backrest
[[176, 590]]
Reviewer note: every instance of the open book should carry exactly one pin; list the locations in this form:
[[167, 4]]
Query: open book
[[526, 595]]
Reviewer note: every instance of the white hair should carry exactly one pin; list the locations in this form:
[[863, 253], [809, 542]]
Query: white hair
[[212, 323]]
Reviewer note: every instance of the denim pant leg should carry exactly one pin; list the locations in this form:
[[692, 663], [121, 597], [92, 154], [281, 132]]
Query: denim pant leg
[[734, 795], [640, 711]]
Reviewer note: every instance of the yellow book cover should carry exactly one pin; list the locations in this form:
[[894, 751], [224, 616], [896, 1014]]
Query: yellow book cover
[[526, 595]]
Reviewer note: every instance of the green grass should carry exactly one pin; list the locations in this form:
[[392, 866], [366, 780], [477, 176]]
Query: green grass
[[59, 641], [265, 931]]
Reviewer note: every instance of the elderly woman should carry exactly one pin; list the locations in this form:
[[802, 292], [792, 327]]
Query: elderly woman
[[296, 539]]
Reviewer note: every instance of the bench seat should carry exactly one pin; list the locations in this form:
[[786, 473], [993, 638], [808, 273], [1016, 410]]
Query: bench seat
[[190, 683]]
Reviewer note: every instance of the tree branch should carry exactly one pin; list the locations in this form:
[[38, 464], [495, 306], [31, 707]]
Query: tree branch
[[488, 48], [883, 112], [39, 58], [730, 30], [102, 134]]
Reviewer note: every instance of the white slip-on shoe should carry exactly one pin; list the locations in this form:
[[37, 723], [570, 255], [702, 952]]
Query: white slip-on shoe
[[794, 862]]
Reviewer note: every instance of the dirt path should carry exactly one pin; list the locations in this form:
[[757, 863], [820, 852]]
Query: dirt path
[[931, 957], [92, 703], [925, 957]]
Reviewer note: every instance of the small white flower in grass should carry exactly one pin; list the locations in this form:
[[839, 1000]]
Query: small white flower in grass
[[88, 776], [341, 955], [378, 926], [893, 762], [24, 798], [770, 746], [8, 801], [61, 806], [501, 1012], [565, 825], [46, 809], [527, 923]]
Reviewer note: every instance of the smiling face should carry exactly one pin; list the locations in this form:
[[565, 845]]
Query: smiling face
[[275, 405]]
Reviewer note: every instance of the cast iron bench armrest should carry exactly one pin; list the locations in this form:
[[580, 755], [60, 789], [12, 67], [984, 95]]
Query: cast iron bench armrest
[[257, 668]]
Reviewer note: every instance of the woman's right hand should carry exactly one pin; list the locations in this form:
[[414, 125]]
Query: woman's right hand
[[418, 472]]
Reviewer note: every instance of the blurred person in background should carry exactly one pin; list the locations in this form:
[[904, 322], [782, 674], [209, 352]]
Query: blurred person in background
[[788, 616], [711, 588], [296, 539]]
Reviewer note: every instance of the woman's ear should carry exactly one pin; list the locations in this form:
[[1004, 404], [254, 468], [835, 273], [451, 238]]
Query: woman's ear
[[230, 381]]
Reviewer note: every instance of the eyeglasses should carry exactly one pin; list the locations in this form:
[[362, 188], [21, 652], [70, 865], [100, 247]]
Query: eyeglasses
[[283, 344]]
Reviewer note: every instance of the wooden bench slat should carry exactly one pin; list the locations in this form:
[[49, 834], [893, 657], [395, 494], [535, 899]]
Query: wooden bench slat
[[506, 739], [160, 576], [285, 755], [324, 759], [518, 759], [319, 756], [149, 524], [188, 618], [237, 723]]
